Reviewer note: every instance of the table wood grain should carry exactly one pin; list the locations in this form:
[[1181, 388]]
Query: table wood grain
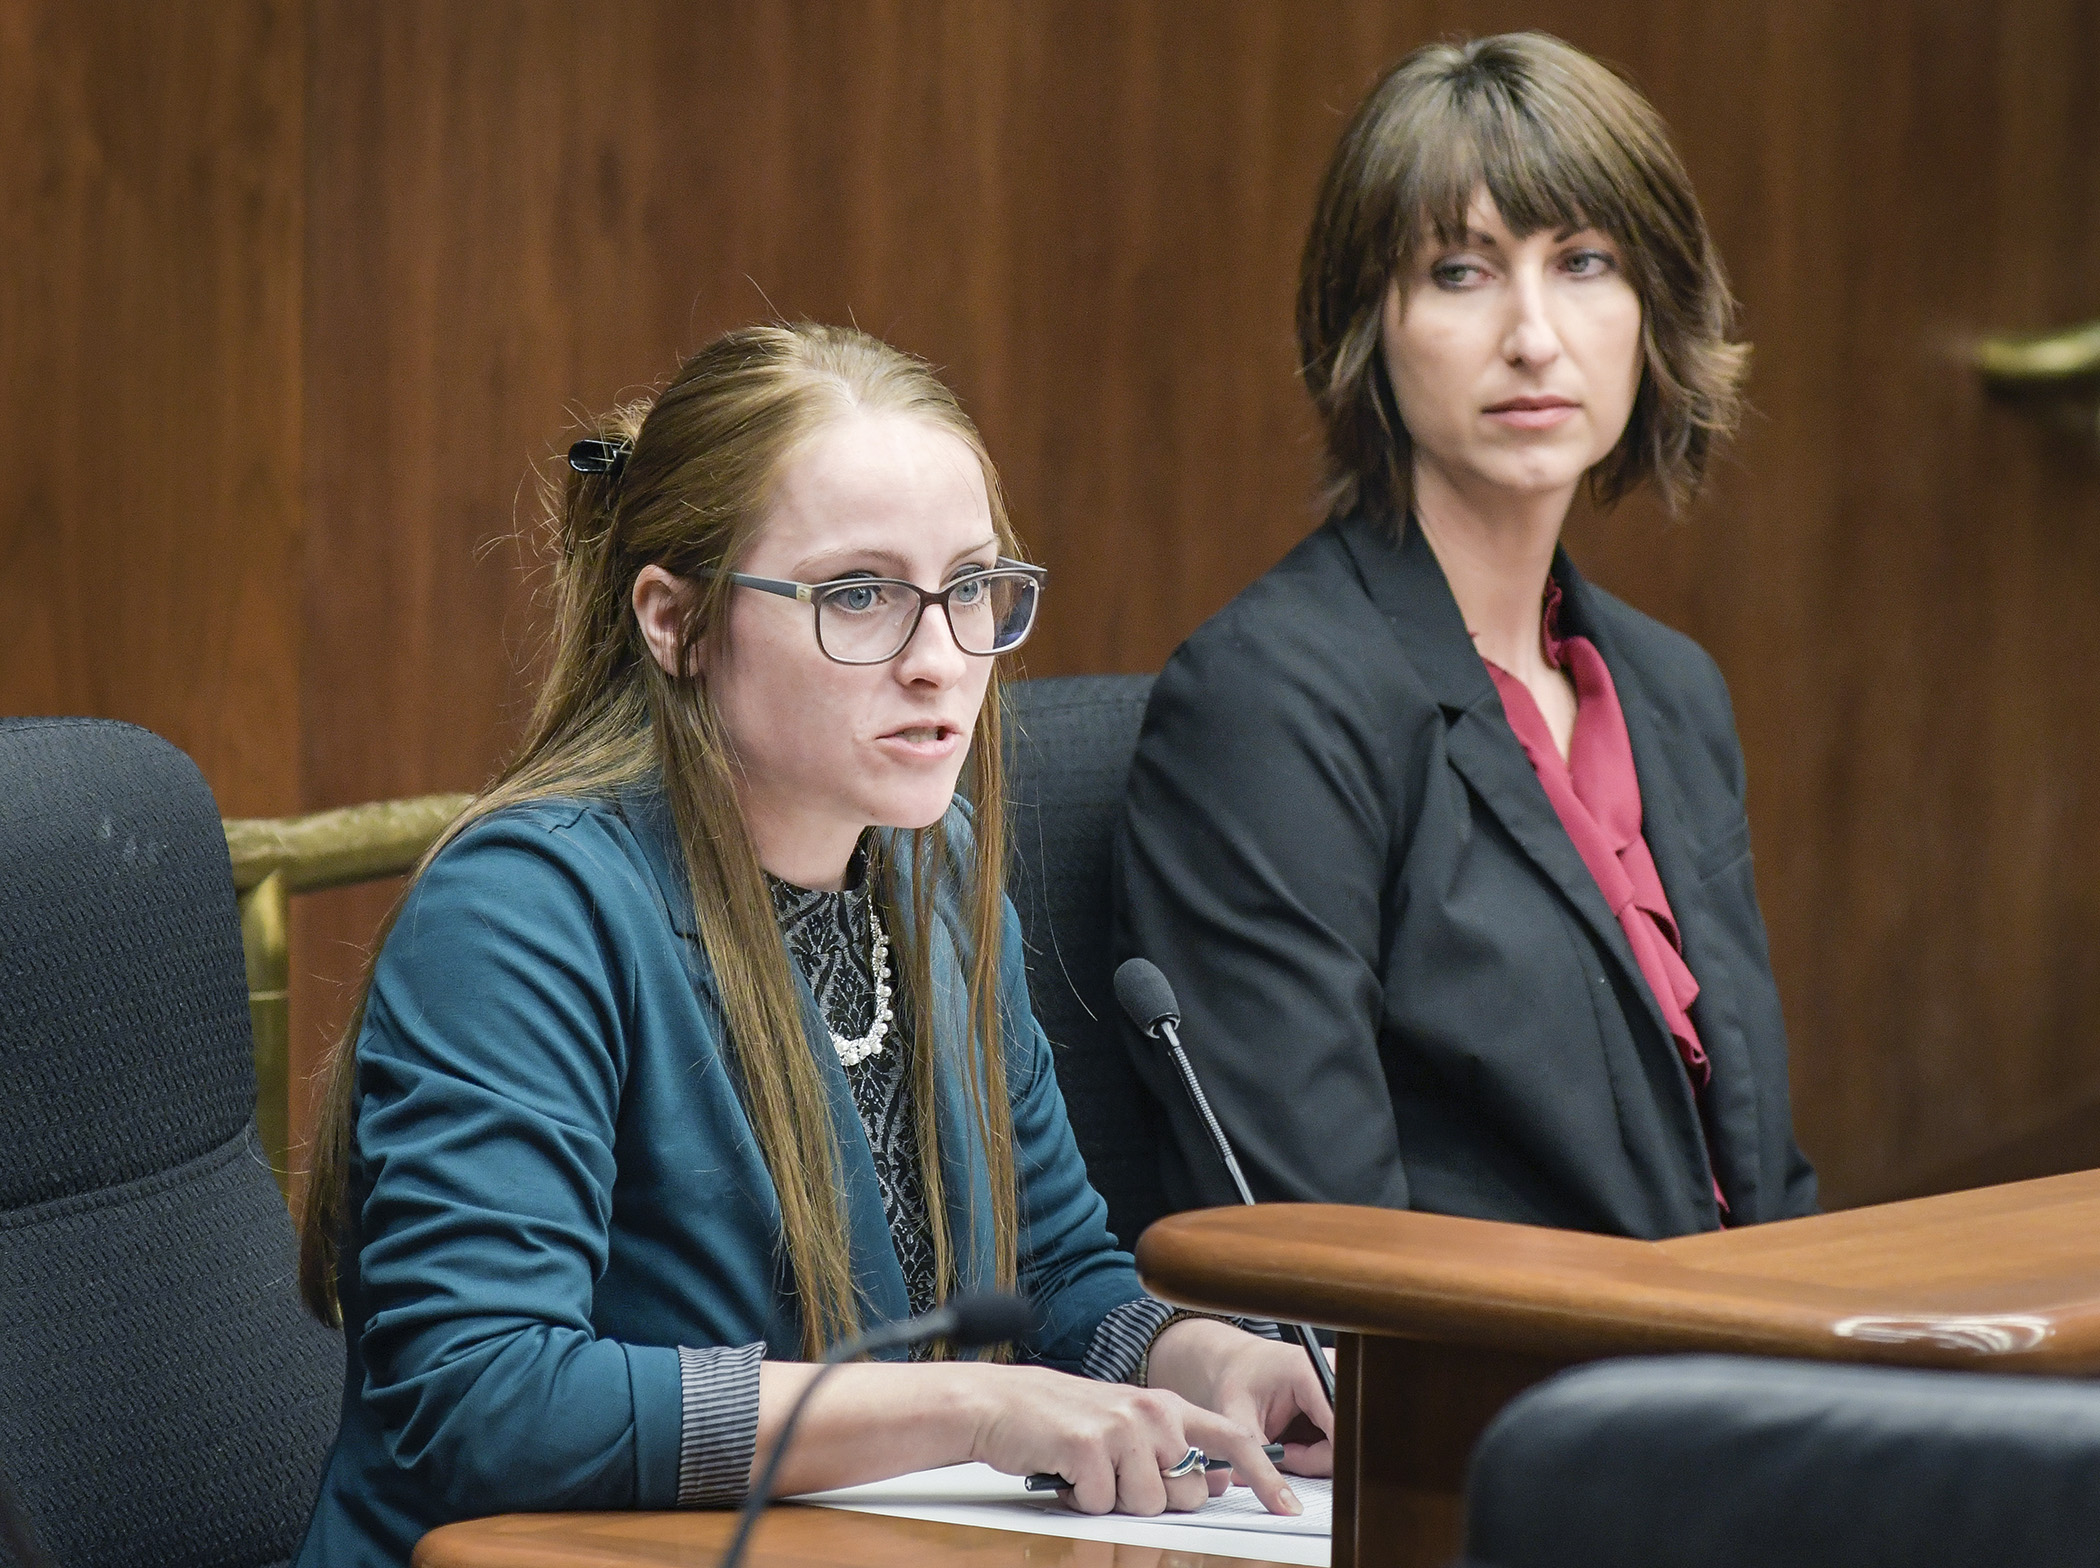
[[788, 1537], [2002, 1278]]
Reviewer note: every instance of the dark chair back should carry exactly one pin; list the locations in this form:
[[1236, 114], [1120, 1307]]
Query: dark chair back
[[163, 1397], [1068, 749], [1729, 1462]]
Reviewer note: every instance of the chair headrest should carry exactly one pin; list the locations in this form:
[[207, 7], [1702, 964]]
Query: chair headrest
[[1730, 1462], [124, 1037]]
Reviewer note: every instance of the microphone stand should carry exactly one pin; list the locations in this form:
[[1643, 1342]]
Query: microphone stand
[[1163, 1029], [968, 1321], [755, 1503]]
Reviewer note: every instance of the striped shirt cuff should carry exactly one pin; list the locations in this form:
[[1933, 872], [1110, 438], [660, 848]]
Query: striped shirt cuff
[[1119, 1346], [718, 1432], [1123, 1343]]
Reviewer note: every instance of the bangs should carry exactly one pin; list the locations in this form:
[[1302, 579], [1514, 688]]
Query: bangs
[[1555, 171], [1558, 142]]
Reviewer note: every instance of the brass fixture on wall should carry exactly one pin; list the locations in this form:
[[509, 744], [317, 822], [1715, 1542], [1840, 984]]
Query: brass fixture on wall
[[2057, 373]]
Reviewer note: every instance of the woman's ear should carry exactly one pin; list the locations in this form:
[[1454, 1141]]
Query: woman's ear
[[660, 602]]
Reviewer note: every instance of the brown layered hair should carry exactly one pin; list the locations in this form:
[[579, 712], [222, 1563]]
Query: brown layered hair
[[693, 491], [1558, 142]]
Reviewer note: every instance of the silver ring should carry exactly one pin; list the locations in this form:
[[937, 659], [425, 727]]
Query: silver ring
[[1192, 1461]]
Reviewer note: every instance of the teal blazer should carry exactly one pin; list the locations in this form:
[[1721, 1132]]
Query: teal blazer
[[553, 1183]]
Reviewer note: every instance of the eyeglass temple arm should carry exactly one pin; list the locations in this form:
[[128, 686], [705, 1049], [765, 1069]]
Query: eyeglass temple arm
[[803, 592]]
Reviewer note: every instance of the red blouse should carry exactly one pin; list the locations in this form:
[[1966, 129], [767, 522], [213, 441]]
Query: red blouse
[[1597, 796]]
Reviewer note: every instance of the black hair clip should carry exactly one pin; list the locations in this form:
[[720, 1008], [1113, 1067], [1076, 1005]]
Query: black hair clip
[[599, 457]]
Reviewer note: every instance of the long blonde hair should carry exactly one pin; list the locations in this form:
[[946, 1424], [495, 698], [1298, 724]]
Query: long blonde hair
[[691, 494]]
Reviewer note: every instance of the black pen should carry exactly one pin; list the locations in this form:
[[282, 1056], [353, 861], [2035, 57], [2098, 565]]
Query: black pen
[[1044, 1481]]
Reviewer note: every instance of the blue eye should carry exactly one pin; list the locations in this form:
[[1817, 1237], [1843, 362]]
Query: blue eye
[[857, 600], [967, 592]]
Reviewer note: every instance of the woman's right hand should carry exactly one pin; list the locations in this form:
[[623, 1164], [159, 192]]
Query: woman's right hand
[[1113, 1442]]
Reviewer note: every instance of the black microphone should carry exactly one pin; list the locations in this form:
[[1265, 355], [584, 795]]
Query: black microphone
[[967, 1321], [1149, 1002]]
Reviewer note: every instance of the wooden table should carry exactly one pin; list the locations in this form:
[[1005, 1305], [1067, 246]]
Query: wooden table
[[1445, 1320], [788, 1537]]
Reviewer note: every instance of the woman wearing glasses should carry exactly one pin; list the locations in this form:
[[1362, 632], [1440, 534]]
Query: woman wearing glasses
[[702, 1039], [1443, 846]]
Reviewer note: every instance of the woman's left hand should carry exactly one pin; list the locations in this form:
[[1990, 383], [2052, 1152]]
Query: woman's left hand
[[1245, 1378]]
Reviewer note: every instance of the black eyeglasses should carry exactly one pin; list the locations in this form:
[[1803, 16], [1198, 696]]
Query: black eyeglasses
[[870, 620]]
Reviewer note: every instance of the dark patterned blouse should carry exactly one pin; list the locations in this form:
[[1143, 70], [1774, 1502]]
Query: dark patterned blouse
[[831, 939]]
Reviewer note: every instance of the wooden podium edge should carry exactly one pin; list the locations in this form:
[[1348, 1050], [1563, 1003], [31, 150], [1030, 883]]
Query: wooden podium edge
[[1569, 1296]]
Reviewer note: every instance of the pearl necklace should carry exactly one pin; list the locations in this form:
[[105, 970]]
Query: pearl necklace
[[853, 1052]]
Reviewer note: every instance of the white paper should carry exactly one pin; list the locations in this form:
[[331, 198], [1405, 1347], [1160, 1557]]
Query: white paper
[[1234, 1525]]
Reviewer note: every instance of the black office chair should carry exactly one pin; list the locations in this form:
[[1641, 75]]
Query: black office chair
[[163, 1398], [1731, 1462], [1068, 752]]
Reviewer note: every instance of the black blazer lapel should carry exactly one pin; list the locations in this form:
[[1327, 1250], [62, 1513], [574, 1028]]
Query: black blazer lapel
[[1408, 586], [1674, 842]]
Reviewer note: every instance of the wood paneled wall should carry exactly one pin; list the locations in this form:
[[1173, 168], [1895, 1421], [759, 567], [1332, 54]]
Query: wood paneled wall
[[297, 294], [150, 375]]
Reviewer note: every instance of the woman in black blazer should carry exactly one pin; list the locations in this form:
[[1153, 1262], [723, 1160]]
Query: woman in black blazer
[[1442, 846]]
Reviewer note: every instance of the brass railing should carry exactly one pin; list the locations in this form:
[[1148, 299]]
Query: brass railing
[[275, 857]]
